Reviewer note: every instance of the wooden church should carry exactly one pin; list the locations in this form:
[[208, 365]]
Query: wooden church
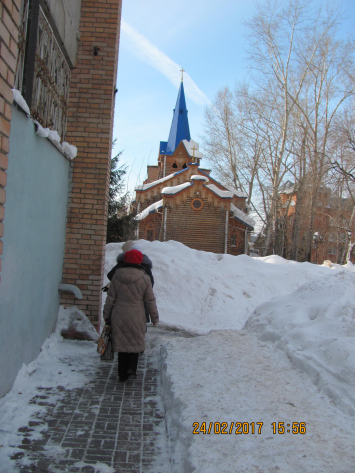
[[180, 200]]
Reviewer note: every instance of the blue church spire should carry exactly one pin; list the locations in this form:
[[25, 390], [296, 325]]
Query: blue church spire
[[180, 129]]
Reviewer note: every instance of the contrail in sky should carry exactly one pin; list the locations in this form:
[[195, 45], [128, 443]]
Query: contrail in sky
[[149, 53]]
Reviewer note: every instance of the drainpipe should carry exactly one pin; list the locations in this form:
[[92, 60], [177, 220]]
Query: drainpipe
[[165, 217], [164, 166], [226, 234], [246, 242], [70, 288], [138, 208]]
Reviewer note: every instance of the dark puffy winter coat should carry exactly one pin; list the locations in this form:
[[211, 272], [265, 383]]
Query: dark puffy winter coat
[[129, 291]]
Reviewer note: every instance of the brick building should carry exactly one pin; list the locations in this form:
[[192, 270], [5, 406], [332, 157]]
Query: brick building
[[331, 223], [181, 201], [60, 57]]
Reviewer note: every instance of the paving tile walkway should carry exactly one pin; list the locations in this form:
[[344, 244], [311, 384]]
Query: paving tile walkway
[[104, 424]]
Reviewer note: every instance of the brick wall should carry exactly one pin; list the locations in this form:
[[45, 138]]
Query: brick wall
[[9, 23], [90, 122]]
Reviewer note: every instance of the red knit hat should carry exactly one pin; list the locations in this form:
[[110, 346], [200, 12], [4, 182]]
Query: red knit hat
[[133, 257]]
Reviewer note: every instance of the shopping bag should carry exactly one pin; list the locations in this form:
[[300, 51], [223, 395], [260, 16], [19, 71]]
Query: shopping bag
[[104, 344]]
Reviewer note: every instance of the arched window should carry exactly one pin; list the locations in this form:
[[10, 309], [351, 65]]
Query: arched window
[[184, 166], [174, 166]]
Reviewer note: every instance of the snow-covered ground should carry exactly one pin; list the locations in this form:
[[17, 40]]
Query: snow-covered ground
[[272, 341]]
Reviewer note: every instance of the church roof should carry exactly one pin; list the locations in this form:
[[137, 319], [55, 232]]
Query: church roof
[[179, 129]]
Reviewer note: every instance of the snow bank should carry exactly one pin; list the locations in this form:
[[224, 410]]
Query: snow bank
[[201, 291], [315, 326]]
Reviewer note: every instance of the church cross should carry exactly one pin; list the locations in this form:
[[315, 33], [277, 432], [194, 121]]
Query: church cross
[[193, 153], [182, 74]]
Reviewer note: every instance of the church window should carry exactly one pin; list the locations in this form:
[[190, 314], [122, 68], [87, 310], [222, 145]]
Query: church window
[[184, 166], [233, 239], [174, 166], [197, 204], [150, 233]]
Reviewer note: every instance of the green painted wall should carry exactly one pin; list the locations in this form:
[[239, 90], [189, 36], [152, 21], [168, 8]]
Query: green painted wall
[[34, 238]]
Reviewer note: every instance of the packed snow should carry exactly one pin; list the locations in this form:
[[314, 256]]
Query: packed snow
[[266, 341], [49, 375]]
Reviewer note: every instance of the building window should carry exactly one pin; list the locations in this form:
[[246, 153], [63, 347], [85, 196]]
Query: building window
[[42, 72], [150, 233], [184, 166], [331, 250], [233, 239], [197, 204], [174, 166]]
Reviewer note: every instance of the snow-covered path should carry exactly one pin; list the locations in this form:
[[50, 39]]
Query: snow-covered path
[[230, 376], [248, 340]]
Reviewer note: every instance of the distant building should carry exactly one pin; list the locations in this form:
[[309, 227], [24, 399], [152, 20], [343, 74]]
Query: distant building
[[181, 201], [331, 222]]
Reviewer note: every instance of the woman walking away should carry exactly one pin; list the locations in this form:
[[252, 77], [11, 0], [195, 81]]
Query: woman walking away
[[129, 291]]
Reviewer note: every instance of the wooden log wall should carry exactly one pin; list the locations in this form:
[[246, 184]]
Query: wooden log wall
[[198, 229]]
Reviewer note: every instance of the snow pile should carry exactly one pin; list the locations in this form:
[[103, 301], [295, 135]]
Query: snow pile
[[201, 291], [315, 326], [49, 375], [73, 323]]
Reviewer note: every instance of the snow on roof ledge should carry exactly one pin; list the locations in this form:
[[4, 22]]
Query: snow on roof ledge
[[192, 144], [198, 177], [236, 192], [218, 191], [175, 189], [144, 187], [242, 216], [152, 208]]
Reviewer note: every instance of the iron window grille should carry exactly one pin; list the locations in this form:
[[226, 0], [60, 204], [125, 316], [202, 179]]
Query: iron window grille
[[43, 74]]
